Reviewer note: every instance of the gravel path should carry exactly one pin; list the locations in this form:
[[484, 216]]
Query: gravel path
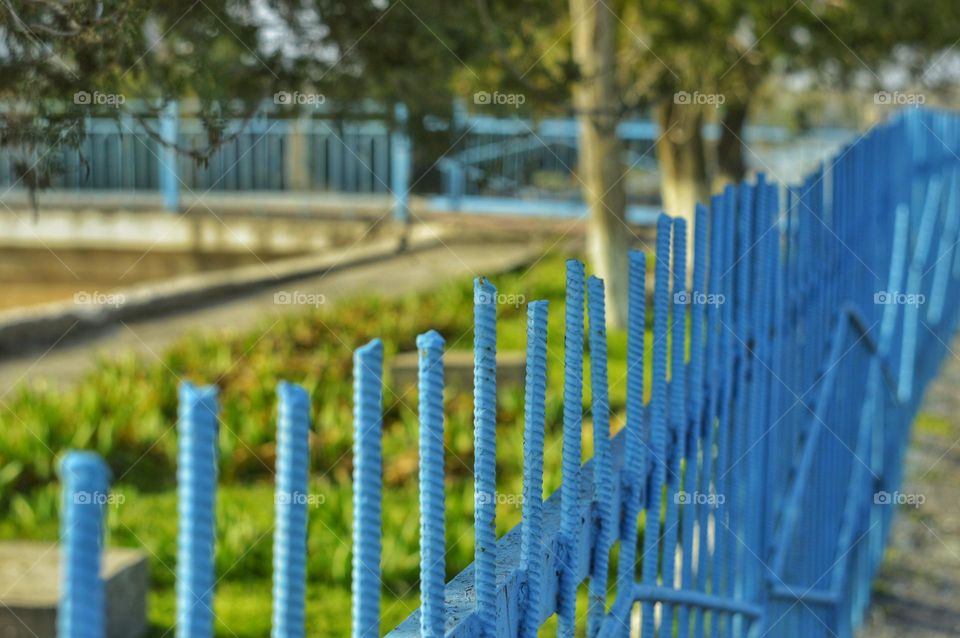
[[917, 593]]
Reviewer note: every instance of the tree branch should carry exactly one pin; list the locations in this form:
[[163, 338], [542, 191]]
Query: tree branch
[[558, 83]]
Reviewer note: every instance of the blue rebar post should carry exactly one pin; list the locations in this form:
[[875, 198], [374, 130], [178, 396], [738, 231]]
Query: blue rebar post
[[169, 177], [698, 300], [738, 432], [707, 482], [572, 421], [432, 508], [531, 546], [677, 413], [82, 609], [635, 469], [196, 492], [658, 420], [915, 274], [728, 277], [291, 499], [401, 159], [603, 489], [367, 477], [485, 442]]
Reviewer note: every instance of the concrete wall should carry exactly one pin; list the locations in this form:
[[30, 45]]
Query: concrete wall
[[197, 231]]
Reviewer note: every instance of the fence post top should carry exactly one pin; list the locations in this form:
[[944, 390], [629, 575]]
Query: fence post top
[[372, 347], [538, 304], [430, 340], [292, 391], [190, 392], [484, 284], [84, 465]]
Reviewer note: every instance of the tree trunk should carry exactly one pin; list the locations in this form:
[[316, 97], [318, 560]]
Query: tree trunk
[[681, 158], [731, 167], [600, 153]]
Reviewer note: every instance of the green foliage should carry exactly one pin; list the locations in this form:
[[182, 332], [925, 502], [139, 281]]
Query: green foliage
[[65, 62]]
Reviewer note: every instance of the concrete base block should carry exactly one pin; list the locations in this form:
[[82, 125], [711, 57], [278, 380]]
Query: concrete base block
[[458, 369], [30, 590]]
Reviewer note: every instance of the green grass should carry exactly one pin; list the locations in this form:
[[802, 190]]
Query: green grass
[[933, 424], [126, 410]]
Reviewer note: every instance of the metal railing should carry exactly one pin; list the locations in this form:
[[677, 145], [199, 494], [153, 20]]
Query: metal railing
[[750, 496], [493, 164]]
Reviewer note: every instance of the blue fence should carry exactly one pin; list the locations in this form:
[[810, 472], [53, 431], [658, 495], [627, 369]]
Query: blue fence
[[489, 165], [120, 154], [750, 496]]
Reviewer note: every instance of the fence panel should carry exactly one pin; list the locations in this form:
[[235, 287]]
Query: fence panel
[[750, 495]]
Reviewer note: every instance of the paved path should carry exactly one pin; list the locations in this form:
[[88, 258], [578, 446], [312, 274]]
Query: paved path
[[391, 277], [917, 593]]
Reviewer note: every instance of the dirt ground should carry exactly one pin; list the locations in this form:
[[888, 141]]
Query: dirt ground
[[917, 593], [32, 276]]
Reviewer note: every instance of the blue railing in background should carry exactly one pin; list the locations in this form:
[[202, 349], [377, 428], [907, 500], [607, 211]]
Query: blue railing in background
[[750, 496], [493, 165], [120, 154]]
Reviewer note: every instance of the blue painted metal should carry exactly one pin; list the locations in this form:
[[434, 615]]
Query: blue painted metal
[[658, 422], [496, 161], [169, 175], [924, 240], [290, 531], [196, 490], [640, 214], [677, 417], [602, 471], [485, 458], [432, 541], [570, 520], [759, 474], [945, 250], [725, 455], [401, 159], [531, 545], [86, 486], [367, 490], [692, 432], [635, 470], [492, 170], [706, 572]]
